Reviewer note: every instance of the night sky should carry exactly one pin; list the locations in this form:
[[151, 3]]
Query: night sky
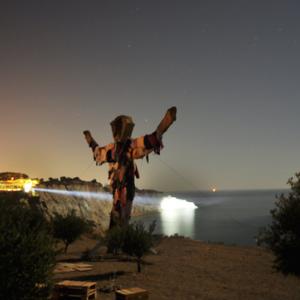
[[232, 68]]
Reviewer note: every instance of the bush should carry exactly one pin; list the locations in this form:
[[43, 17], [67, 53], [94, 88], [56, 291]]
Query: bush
[[69, 228], [132, 239], [283, 235], [27, 255], [138, 241]]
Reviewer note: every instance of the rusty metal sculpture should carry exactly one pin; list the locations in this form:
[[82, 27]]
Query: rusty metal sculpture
[[121, 155]]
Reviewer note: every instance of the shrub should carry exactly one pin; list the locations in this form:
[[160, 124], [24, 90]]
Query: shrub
[[69, 228], [27, 255], [283, 235], [132, 239], [138, 241]]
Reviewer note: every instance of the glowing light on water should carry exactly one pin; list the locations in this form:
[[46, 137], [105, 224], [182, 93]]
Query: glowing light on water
[[173, 203], [177, 216]]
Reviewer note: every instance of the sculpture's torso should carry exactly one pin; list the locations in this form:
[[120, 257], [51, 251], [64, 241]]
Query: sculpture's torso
[[122, 171]]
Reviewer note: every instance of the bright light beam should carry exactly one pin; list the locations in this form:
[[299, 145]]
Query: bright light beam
[[167, 203], [95, 195], [139, 199]]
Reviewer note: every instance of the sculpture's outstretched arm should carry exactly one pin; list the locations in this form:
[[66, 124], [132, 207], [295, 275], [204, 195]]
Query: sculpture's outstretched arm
[[144, 145], [90, 140], [167, 121], [101, 154]]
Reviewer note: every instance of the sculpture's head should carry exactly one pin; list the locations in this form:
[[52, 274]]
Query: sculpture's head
[[122, 127]]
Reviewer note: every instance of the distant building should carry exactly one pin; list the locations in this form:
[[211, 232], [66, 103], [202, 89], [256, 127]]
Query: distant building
[[13, 182]]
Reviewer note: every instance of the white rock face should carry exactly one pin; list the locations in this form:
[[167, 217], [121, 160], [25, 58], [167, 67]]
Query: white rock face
[[85, 203]]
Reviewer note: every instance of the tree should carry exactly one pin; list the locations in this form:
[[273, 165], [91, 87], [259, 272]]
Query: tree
[[282, 236], [138, 241], [132, 239], [27, 254], [69, 228]]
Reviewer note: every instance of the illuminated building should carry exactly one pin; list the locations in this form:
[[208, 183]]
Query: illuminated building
[[14, 182]]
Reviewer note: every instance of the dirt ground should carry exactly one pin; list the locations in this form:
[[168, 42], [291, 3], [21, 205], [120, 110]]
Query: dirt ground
[[188, 269]]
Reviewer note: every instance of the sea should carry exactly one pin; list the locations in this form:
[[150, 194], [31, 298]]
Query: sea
[[227, 217]]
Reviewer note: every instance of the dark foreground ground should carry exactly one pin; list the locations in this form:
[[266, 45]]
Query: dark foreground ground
[[187, 269]]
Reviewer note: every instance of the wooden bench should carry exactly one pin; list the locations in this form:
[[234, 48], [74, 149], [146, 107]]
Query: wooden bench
[[75, 290], [132, 294]]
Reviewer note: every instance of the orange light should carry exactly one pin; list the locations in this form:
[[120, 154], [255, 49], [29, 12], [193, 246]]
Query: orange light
[[14, 185]]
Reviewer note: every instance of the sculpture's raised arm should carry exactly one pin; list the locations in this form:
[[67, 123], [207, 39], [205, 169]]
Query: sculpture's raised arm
[[101, 154], [167, 121], [90, 140], [145, 144]]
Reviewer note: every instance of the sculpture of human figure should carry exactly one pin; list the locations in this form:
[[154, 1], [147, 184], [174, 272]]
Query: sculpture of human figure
[[120, 156]]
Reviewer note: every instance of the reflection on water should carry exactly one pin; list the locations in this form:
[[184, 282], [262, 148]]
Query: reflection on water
[[180, 221], [232, 217], [177, 216]]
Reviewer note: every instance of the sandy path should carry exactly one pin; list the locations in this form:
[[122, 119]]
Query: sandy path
[[187, 269]]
